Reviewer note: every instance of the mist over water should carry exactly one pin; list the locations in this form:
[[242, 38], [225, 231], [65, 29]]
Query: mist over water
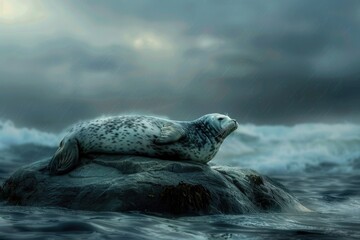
[[318, 163]]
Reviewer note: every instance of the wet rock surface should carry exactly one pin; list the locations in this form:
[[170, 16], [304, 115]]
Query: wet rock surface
[[148, 185]]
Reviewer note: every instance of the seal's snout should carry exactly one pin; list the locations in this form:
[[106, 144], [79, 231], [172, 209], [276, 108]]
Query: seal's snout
[[231, 125], [235, 124], [233, 121]]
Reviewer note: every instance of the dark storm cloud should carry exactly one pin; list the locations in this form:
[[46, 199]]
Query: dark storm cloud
[[81, 57], [271, 98], [44, 86], [282, 62], [285, 84], [293, 44]]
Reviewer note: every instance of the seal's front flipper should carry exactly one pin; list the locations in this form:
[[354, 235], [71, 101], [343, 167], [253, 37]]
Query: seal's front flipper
[[170, 133], [66, 157]]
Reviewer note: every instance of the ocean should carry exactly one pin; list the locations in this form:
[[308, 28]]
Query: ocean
[[318, 163]]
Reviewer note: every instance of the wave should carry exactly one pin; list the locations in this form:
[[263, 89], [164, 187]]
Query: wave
[[311, 148], [11, 135]]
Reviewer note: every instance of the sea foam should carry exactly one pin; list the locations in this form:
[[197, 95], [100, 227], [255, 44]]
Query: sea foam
[[11, 135], [300, 148]]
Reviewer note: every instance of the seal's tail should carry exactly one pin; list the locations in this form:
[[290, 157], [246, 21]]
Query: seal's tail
[[66, 157]]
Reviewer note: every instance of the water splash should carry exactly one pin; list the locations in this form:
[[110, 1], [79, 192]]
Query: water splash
[[301, 148], [12, 135]]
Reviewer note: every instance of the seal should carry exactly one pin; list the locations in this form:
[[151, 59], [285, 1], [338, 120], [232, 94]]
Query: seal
[[197, 140]]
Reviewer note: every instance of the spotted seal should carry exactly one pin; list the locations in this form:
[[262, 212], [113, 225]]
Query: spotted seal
[[197, 140]]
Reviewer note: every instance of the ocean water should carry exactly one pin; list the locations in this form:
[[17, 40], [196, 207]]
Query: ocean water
[[319, 163]]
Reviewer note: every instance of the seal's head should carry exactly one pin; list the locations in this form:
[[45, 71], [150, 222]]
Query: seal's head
[[219, 125]]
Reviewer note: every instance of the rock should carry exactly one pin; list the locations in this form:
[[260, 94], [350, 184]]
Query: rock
[[131, 183]]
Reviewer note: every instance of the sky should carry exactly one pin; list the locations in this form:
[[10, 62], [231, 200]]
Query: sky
[[278, 62]]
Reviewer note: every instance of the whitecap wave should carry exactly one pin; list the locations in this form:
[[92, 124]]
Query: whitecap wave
[[11, 135], [300, 148]]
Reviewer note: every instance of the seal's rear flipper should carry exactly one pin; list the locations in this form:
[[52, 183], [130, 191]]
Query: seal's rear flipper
[[66, 157]]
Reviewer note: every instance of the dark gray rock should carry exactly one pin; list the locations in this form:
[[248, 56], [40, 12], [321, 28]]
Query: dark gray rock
[[130, 183]]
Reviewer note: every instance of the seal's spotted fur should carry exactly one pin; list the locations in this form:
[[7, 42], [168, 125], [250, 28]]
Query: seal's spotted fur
[[197, 140]]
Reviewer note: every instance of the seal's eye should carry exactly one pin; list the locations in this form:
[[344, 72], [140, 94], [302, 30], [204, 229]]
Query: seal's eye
[[220, 118]]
